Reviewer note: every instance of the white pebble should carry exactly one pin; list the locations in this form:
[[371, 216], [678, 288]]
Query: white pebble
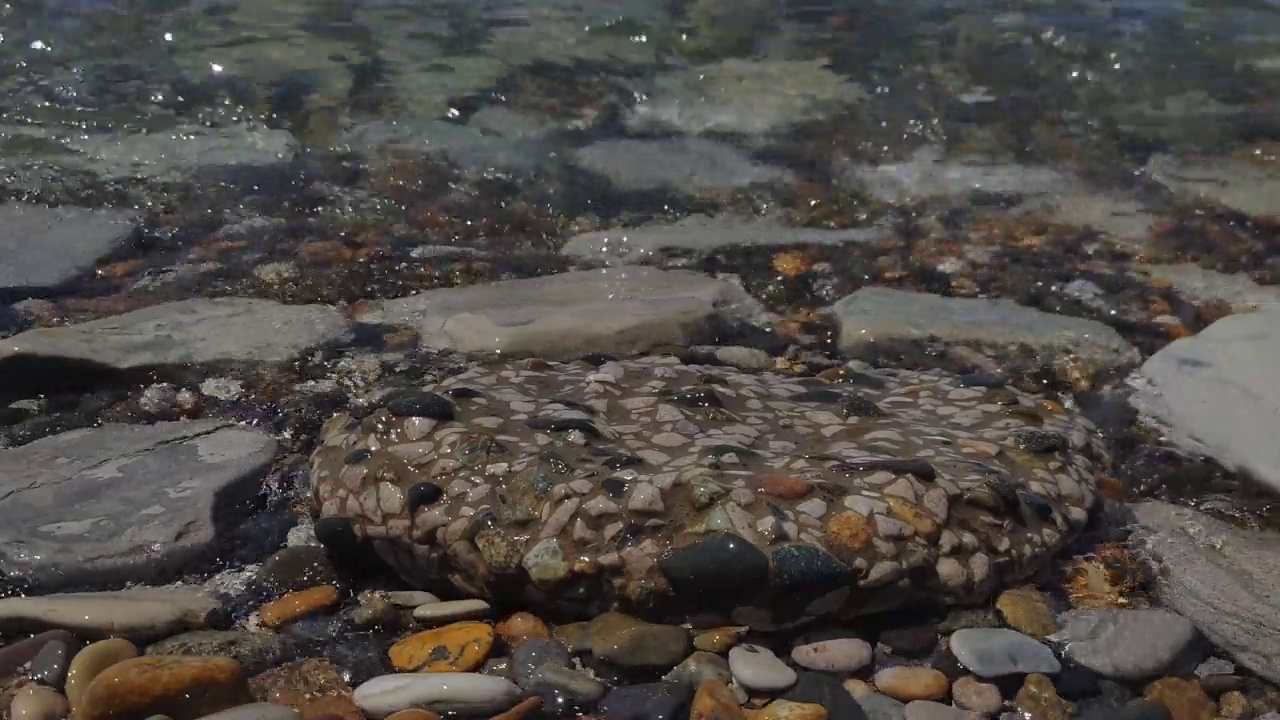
[[450, 610], [462, 693], [757, 668]]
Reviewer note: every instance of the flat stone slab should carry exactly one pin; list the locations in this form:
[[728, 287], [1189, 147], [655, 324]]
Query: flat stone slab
[[1200, 285], [703, 233], [756, 498], [618, 310], [43, 246], [1223, 578], [201, 330], [122, 503], [876, 314], [685, 164], [1240, 185], [1218, 393], [927, 174], [140, 614]]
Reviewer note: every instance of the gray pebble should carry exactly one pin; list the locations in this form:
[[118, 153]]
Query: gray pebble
[[256, 711], [994, 652], [929, 710], [573, 685], [698, 668], [532, 656], [49, 666]]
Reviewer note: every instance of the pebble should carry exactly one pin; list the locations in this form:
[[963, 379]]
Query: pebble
[[181, 687], [756, 668], [907, 683], [255, 651], [825, 690], [36, 702], [50, 665], [522, 626], [698, 668], [930, 710], [971, 693], [1027, 610], [840, 655], [15, 655], [1126, 644], [138, 614], [881, 707], [256, 711], [719, 640], [411, 598], [788, 710], [462, 693], [522, 709], [373, 610], [450, 610], [1037, 698], [575, 686], [302, 682], [532, 656], [297, 605], [296, 568], [1184, 698], [91, 661], [715, 701], [995, 652], [460, 647], [648, 701], [633, 643]]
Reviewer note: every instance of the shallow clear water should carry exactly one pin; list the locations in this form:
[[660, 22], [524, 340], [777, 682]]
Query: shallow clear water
[[1100, 77]]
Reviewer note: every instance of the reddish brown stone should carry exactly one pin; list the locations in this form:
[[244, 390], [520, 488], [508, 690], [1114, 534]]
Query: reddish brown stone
[[785, 487]]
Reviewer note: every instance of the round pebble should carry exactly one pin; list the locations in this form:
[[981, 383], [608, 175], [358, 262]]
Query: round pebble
[[522, 626], [756, 668], [630, 642], [930, 710], [907, 683], [971, 693], [37, 702], [995, 652], [462, 693], [840, 655], [173, 685], [92, 660]]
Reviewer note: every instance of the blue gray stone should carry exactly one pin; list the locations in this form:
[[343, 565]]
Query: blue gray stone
[[994, 652], [1127, 644]]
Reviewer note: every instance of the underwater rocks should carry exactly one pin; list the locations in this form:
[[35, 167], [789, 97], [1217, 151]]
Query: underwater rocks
[[44, 246]]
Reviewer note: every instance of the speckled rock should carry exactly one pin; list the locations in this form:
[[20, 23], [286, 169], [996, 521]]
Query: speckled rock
[[1027, 610], [1184, 698], [903, 489], [972, 694], [255, 651], [629, 642], [1039, 699]]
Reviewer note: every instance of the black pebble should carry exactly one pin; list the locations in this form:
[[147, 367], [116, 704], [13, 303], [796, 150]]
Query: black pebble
[[597, 359], [358, 455], [560, 424], [336, 533], [983, 379], [423, 493], [920, 468], [821, 395], [1038, 505], [648, 701], [721, 566], [463, 393], [615, 487], [698, 397], [827, 691], [1075, 682], [1040, 441], [421, 404], [617, 462], [808, 568], [858, 406]]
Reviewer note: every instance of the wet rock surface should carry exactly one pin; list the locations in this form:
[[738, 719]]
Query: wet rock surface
[[45, 246]]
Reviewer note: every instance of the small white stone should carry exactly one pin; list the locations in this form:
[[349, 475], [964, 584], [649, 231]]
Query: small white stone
[[669, 439], [841, 655], [411, 598], [450, 610], [461, 693], [757, 668], [646, 498]]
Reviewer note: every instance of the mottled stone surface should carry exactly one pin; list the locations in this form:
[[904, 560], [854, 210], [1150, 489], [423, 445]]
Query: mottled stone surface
[[646, 481], [44, 246]]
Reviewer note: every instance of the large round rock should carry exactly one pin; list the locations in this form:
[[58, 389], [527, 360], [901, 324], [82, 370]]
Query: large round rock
[[680, 490]]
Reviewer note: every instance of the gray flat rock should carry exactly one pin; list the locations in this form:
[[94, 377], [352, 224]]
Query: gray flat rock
[[1250, 188], [996, 652], [122, 503], [876, 314], [189, 331], [1223, 578], [1218, 393], [1126, 644], [1201, 285], [140, 614], [44, 246], [926, 174], [616, 310], [686, 164], [703, 233]]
